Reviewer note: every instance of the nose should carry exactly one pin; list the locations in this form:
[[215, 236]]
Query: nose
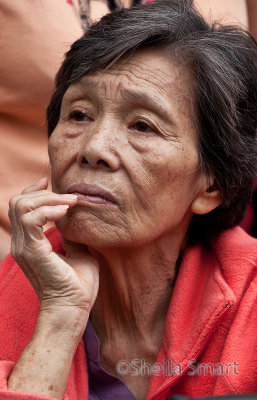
[[99, 149]]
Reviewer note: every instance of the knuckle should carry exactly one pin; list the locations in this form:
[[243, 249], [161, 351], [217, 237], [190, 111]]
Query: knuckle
[[12, 202], [16, 252], [25, 219], [22, 205], [37, 213], [33, 218]]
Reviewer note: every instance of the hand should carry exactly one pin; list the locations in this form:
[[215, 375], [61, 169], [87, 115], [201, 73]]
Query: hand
[[66, 288], [60, 283]]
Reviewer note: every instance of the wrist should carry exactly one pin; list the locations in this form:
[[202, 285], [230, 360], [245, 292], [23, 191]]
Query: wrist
[[68, 324]]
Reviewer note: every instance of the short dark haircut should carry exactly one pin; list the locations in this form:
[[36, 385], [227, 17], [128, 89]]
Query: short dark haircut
[[223, 62]]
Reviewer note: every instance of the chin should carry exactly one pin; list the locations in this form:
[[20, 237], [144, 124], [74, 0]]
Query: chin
[[98, 232], [87, 232]]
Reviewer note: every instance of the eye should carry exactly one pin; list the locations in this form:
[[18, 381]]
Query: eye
[[78, 115], [143, 126]]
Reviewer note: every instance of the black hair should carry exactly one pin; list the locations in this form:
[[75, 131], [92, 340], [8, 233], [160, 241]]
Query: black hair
[[223, 62]]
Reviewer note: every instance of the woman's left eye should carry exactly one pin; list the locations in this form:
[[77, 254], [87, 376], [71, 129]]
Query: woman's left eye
[[142, 126], [78, 115]]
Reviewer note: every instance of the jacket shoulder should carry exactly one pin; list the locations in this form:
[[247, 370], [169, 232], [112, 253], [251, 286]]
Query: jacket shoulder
[[236, 253], [234, 246]]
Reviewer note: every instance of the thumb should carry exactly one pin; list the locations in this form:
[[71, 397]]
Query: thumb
[[74, 250], [78, 255], [84, 265]]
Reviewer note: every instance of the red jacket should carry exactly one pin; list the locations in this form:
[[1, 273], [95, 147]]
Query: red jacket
[[212, 318]]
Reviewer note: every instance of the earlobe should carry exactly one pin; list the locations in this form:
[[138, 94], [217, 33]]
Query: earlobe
[[206, 200]]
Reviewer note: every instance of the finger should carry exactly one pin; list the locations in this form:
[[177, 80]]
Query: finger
[[74, 250], [29, 202], [33, 221], [28, 229], [79, 256], [85, 266], [22, 204], [18, 198], [39, 185]]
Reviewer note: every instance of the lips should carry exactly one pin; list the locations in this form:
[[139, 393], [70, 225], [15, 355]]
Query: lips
[[92, 193]]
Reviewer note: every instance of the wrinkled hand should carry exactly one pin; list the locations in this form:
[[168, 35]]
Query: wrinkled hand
[[60, 283]]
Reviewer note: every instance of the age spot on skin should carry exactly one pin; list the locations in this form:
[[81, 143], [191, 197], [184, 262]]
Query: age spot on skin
[[50, 387]]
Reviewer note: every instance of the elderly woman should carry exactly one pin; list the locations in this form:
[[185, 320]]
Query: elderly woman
[[142, 291]]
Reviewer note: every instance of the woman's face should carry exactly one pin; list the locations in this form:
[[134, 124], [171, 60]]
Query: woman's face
[[129, 132]]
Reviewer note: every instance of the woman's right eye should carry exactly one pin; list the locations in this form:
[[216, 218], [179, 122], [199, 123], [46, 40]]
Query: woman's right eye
[[78, 115]]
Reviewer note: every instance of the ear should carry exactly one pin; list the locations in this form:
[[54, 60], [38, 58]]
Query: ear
[[208, 197]]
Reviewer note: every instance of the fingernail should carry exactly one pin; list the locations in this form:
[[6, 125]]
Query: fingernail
[[69, 196], [40, 181], [62, 207]]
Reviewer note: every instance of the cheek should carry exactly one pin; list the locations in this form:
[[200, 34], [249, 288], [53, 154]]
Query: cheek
[[61, 155], [168, 185], [181, 177], [169, 170], [163, 188]]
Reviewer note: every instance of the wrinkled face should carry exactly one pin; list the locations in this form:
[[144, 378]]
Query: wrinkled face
[[126, 143]]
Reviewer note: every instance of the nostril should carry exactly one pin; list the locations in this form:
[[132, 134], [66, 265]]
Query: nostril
[[102, 162], [98, 162]]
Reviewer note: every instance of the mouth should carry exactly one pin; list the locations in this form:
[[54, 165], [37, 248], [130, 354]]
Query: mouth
[[92, 194]]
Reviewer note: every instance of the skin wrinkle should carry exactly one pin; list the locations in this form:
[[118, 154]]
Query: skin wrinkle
[[147, 165], [164, 87], [127, 299], [143, 99], [140, 97]]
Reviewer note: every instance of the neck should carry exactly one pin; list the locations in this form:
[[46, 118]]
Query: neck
[[135, 290]]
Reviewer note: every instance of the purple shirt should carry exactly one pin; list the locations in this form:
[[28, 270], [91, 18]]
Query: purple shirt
[[102, 385]]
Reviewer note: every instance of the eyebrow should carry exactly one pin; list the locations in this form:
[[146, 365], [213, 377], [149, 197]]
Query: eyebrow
[[152, 102]]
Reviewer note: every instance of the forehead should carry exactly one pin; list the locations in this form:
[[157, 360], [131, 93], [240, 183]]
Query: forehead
[[148, 72]]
